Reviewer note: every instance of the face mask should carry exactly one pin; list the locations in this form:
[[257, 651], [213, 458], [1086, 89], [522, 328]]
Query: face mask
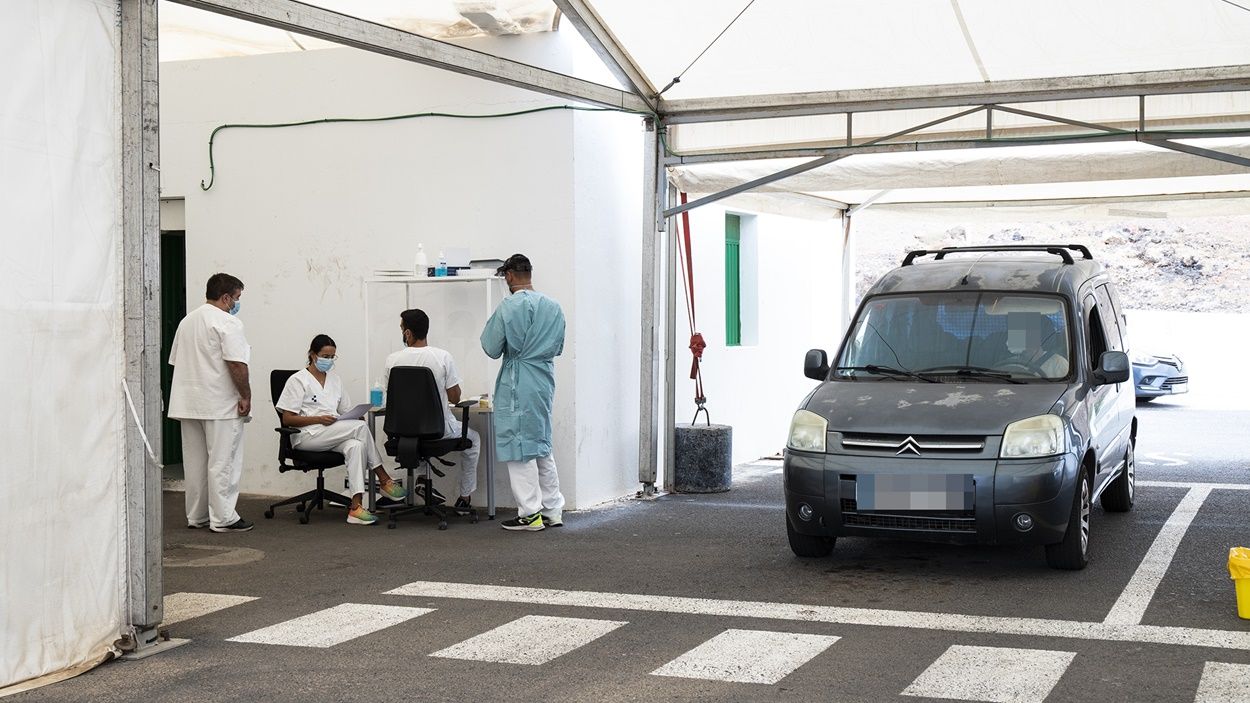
[[323, 365], [234, 309]]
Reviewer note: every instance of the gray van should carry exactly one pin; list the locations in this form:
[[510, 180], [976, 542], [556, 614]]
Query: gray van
[[981, 396]]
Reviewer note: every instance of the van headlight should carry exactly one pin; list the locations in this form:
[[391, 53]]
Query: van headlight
[[807, 432], [1036, 436]]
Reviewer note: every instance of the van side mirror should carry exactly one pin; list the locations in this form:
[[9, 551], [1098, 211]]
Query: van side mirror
[[816, 364], [1113, 367]]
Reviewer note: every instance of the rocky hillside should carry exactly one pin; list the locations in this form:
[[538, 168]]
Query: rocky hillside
[[1186, 265]]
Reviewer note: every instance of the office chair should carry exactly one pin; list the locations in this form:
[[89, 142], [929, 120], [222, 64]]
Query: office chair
[[291, 459], [414, 436]]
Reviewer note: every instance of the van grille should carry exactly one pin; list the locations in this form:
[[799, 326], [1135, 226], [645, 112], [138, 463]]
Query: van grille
[[913, 445], [945, 521]]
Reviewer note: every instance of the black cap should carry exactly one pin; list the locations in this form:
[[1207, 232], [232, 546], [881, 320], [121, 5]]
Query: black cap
[[517, 263]]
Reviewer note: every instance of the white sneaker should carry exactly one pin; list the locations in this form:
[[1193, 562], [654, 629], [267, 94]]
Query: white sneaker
[[553, 520]]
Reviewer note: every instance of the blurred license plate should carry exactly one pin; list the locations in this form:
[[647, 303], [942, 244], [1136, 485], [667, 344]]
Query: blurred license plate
[[1180, 388], [914, 492]]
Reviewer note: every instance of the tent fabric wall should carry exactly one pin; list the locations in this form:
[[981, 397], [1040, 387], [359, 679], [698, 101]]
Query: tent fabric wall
[[61, 583]]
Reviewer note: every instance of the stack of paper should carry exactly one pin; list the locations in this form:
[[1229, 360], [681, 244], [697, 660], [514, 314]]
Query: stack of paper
[[393, 273]]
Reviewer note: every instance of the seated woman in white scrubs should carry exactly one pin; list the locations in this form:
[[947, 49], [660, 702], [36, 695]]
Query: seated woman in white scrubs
[[311, 400]]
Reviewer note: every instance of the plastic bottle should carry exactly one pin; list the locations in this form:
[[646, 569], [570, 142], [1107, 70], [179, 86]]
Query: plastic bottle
[[375, 395], [440, 269], [421, 265]]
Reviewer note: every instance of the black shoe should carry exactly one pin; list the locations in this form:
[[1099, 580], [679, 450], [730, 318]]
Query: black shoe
[[239, 525], [527, 523], [439, 498], [463, 503]]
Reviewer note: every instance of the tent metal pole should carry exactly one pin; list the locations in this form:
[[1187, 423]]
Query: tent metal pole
[[141, 318], [313, 21], [647, 439], [1196, 151], [1218, 79], [606, 45], [808, 166], [1105, 134], [670, 345], [848, 272]]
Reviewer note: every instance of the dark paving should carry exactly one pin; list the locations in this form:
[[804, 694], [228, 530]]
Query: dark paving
[[726, 546]]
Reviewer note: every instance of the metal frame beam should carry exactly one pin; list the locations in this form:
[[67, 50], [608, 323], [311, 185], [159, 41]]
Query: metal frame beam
[[351, 31], [609, 49], [1108, 85], [1196, 151], [141, 316]]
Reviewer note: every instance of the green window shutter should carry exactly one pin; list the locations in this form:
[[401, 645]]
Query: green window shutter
[[733, 280]]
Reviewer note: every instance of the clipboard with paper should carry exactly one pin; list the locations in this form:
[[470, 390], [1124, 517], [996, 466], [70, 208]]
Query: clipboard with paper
[[355, 413]]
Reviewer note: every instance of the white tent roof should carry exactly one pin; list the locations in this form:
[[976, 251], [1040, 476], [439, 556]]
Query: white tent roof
[[816, 47]]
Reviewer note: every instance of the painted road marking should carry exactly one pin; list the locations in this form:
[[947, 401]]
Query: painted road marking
[[533, 639], [1193, 484], [918, 620], [1224, 683], [1130, 607], [326, 628], [184, 606], [747, 656], [996, 674]]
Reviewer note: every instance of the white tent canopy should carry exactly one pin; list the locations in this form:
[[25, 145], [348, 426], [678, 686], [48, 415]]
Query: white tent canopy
[[804, 78]]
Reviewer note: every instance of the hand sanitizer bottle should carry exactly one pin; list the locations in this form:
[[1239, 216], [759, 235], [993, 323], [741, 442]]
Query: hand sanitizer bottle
[[421, 265], [440, 269], [375, 395]]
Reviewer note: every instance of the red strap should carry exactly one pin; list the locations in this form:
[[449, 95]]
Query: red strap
[[697, 345]]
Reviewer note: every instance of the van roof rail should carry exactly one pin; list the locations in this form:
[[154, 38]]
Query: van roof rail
[[1060, 250]]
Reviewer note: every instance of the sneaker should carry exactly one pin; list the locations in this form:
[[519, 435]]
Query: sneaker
[[553, 520], [528, 523], [439, 498], [394, 491], [463, 503], [361, 516], [239, 525], [196, 525]]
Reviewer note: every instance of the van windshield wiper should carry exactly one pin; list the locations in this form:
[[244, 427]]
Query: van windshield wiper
[[973, 372], [887, 371]]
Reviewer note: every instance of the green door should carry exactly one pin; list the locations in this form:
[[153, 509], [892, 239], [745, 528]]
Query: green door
[[733, 280], [173, 309]]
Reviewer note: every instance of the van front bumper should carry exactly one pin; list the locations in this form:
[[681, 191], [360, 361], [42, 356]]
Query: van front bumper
[[821, 499]]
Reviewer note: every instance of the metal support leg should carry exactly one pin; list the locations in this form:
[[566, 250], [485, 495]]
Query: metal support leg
[[141, 311], [650, 264], [670, 347]]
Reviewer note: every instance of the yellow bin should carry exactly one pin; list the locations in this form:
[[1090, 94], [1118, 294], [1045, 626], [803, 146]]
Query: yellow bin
[[1239, 570]]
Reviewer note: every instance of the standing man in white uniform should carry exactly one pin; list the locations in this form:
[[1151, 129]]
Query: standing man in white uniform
[[414, 325], [211, 397]]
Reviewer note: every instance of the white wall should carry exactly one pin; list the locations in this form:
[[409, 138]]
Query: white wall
[[757, 386], [302, 214]]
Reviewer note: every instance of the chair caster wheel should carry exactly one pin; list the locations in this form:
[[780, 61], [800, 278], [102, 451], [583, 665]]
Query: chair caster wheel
[[442, 525], [390, 526], [303, 519], [269, 514]]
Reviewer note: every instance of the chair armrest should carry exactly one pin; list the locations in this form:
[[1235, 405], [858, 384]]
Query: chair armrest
[[464, 406], [286, 430], [466, 403]]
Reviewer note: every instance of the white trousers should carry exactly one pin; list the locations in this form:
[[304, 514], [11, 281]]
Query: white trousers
[[536, 486], [350, 438], [212, 463], [469, 457]]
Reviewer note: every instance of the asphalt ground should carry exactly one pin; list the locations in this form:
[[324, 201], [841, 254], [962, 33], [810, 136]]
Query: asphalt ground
[[730, 550]]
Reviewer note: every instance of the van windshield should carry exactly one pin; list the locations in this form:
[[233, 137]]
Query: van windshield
[[959, 336]]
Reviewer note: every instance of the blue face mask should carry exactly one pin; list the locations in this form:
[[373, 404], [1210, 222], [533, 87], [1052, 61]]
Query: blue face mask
[[234, 309], [323, 365]]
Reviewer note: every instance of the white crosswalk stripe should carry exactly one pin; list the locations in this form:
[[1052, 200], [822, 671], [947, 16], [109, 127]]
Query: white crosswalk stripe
[[995, 674], [773, 656], [1224, 683], [184, 606], [326, 628], [533, 639]]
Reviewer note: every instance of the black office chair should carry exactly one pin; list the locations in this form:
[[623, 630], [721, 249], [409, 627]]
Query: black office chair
[[291, 459], [414, 436]]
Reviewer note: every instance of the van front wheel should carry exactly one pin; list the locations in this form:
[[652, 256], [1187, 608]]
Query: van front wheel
[[1073, 552], [808, 546]]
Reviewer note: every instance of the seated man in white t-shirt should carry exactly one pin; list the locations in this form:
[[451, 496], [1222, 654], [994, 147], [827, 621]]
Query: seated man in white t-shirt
[[415, 327]]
